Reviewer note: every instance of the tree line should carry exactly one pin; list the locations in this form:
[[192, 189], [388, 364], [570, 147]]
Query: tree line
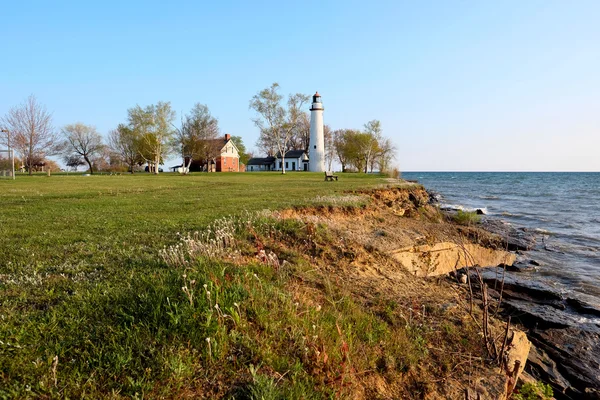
[[147, 137], [151, 133], [285, 125]]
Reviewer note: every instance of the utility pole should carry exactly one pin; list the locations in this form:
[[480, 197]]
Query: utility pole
[[10, 151]]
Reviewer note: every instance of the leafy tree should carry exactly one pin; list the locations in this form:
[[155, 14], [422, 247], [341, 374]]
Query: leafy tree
[[239, 143], [277, 122], [154, 128], [363, 150], [84, 141], [30, 132]]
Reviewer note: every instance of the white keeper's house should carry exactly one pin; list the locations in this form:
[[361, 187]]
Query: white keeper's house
[[294, 160]]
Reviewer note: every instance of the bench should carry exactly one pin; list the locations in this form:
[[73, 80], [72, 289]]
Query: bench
[[329, 176]]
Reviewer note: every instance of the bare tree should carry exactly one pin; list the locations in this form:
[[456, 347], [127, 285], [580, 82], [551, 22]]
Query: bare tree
[[371, 146], [84, 141], [276, 122], [125, 143], [300, 139], [198, 136], [387, 151], [73, 161], [329, 146], [30, 131]]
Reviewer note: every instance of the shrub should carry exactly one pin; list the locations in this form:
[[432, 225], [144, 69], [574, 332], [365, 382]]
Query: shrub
[[534, 391], [467, 217]]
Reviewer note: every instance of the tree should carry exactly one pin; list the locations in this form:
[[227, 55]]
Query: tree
[[370, 144], [300, 139], [30, 132], [276, 122], [197, 135], [73, 161], [154, 128], [329, 146], [239, 143], [124, 142], [344, 146], [83, 140], [387, 150]]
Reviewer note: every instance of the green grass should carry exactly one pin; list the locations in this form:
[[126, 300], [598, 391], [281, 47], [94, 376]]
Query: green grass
[[467, 217], [81, 280]]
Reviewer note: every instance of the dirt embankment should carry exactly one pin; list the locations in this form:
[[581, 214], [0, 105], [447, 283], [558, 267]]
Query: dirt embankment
[[381, 250]]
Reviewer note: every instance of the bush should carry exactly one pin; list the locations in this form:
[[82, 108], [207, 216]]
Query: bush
[[467, 217], [534, 391]]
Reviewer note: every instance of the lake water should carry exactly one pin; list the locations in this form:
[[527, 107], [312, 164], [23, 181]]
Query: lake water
[[562, 208]]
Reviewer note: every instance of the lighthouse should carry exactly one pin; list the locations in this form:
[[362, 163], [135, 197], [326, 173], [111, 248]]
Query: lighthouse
[[316, 153]]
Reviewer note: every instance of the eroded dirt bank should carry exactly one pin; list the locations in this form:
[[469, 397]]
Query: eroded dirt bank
[[380, 252]]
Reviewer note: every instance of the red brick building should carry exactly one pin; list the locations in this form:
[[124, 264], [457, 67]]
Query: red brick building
[[228, 159]]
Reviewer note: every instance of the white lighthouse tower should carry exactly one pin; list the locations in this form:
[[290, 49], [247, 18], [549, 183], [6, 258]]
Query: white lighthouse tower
[[316, 153]]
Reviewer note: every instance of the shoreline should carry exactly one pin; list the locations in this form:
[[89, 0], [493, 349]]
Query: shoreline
[[563, 328]]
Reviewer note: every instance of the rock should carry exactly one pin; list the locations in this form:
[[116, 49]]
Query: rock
[[565, 332], [591, 394], [517, 353], [463, 278], [533, 262], [434, 197], [542, 367], [584, 307], [479, 211], [516, 239], [520, 266], [576, 353]]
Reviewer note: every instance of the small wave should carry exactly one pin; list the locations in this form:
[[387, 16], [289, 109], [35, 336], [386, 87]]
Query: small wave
[[484, 210], [544, 231], [489, 197]]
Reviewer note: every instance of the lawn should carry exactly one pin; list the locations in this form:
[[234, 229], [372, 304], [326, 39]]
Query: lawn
[[89, 309]]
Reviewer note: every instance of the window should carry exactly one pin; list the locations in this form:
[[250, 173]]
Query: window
[[286, 165], [224, 161], [293, 166]]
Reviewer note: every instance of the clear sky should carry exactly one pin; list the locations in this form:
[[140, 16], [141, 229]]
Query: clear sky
[[459, 85]]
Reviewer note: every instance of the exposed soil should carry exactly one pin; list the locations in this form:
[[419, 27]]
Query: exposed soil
[[358, 257]]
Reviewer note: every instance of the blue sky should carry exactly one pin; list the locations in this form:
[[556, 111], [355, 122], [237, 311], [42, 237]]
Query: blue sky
[[477, 85]]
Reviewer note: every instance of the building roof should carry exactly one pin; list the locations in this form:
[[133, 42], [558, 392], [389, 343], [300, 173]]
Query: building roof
[[261, 161], [293, 154]]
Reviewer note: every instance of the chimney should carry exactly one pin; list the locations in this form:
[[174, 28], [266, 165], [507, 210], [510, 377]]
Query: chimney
[[227, 137]]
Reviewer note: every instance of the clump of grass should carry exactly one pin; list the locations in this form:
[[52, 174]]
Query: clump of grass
[[467, 217]]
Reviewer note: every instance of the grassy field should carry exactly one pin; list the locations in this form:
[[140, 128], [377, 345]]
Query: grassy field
[[89, 309]]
